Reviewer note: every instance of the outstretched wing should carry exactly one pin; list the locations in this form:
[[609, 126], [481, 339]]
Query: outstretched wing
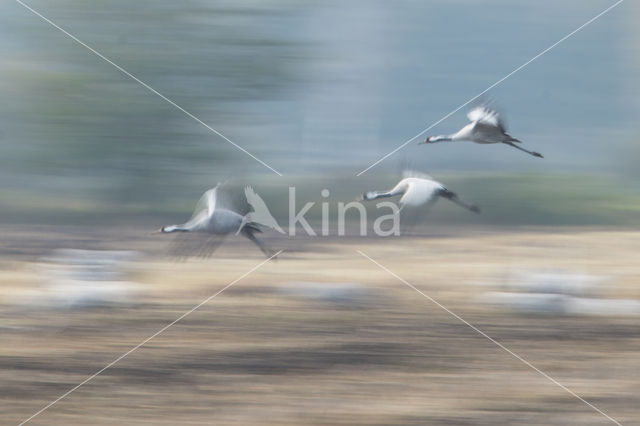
[[408, 173], [194, 244], [261, 213], [419, 192], [207, 203], [485, 115]]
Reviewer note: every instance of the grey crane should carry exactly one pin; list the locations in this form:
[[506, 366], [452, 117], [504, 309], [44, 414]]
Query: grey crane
[[212, 218], [486, 127], [418, 190]]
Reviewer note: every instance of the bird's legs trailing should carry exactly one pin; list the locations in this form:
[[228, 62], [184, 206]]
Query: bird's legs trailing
[[452, 196], [248, 232], [535, 154]]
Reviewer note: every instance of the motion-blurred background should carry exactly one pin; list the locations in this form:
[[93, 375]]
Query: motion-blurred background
[[318, 90], [91, 162]]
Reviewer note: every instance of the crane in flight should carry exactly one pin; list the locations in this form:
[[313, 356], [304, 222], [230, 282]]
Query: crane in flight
[[486, 127], [419, 190], [212, 217]]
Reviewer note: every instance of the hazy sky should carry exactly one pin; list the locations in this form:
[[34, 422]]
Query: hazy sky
[[310, 86]]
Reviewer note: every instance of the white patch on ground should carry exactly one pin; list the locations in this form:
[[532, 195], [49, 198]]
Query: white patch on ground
[[558, 292], [83, 278]]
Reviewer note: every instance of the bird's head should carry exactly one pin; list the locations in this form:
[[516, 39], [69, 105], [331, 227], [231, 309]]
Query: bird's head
[[159, 231], [428, 139], [170, 228], [434, 139], [371, 195]]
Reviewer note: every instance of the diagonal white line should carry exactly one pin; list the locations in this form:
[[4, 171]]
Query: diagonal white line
[[408, 141], [148, 338], [145, 85], [482, 333]]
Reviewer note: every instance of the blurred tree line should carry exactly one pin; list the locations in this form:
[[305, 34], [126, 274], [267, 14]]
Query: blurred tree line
[[74, 123]]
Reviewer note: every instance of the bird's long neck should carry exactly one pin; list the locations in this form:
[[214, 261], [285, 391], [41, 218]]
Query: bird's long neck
[[373, 195], [397, 190], [442, 138], [175, 228]]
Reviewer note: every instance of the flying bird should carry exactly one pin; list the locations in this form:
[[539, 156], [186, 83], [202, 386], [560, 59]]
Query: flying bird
[[212, 218], [486, 127], [417, 191]]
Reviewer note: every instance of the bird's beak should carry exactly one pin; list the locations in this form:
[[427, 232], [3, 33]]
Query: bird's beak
[[426, 140], [159, 231]]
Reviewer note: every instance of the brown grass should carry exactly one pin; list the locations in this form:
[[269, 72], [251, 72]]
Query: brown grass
[[259, 354]]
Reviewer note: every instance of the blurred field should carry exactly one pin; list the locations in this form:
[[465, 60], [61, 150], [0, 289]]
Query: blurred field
[[274, 350]]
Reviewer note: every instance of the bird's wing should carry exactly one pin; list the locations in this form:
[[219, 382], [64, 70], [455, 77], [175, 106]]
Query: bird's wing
[[408, 173], [206, 203], [212, 196], [487, 133], [486, 115], [419, 191], [194, 245]]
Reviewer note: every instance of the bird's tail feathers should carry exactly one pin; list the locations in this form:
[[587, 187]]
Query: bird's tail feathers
[[250, 225], [254, 226], [245, 222]]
